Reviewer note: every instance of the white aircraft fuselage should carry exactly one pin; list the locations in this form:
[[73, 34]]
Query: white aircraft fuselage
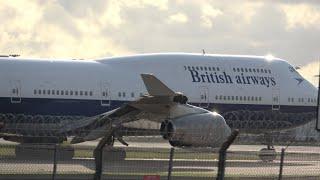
[[254, 94]]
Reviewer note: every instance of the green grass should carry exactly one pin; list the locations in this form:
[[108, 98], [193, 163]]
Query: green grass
[[165, 173], [7, 151], [83, 154]]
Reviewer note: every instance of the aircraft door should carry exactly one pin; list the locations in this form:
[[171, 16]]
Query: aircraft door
[[275, 99], [105, 95], [16, 91], [204, 97]]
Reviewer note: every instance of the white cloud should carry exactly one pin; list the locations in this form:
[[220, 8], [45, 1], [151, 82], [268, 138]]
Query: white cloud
[[114, 8], [111, 15], [47, 30], [309, 72], [89, 29], [247, 10], [178, 18], [20, 15], [301, 15], [159, 4], [17, 24], [208, 14]]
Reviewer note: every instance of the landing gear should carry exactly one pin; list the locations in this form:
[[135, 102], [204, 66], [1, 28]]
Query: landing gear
[[107, 152], [43, 151], [163, 129], [268, 154]]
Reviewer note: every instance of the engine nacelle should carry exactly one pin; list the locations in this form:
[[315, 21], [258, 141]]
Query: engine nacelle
[[196, 130]]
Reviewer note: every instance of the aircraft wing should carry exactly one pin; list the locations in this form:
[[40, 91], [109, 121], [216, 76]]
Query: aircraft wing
[[155, 107]]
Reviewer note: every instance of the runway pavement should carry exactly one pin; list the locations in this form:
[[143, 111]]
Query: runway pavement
[[165, 145]]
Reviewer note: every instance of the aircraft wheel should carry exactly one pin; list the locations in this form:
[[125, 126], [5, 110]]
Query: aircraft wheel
[[267, 155]]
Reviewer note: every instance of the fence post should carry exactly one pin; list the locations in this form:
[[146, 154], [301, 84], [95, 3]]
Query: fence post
[[98, 162], [222, 154], [281, 163], [54, 162], [98, 152], [170, 163]]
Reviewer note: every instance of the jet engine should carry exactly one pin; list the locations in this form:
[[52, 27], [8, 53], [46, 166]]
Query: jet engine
[[196, 130]]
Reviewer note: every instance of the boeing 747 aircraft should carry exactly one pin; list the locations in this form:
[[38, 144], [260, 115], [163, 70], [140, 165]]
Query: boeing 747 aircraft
[[192, 99]]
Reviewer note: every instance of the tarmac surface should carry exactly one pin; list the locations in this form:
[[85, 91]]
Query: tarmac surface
[[301, 162], [164, 144]]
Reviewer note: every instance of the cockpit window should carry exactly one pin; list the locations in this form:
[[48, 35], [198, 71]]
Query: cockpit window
[[292, 69]]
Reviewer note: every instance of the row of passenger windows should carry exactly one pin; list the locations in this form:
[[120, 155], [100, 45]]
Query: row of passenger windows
[[309, 100], [254, 70], [76, 93], [123, 94], [201, 68], [205, 68], [63, 92], [238, 98]]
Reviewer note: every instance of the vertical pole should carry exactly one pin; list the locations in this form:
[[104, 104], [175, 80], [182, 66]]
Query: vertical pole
[[221, 164], [170, 163], [98, 161], [281, 163], [318, 102], [222, 154], [98, 152], [54, 162]]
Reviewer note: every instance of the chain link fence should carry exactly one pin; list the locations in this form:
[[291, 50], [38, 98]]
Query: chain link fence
[[152, 158]]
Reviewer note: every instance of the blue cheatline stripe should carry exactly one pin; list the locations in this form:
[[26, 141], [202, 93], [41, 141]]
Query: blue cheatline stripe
[[46, 106], [60, 107]]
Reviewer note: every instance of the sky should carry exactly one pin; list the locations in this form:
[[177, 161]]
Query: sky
[[288, 29]]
